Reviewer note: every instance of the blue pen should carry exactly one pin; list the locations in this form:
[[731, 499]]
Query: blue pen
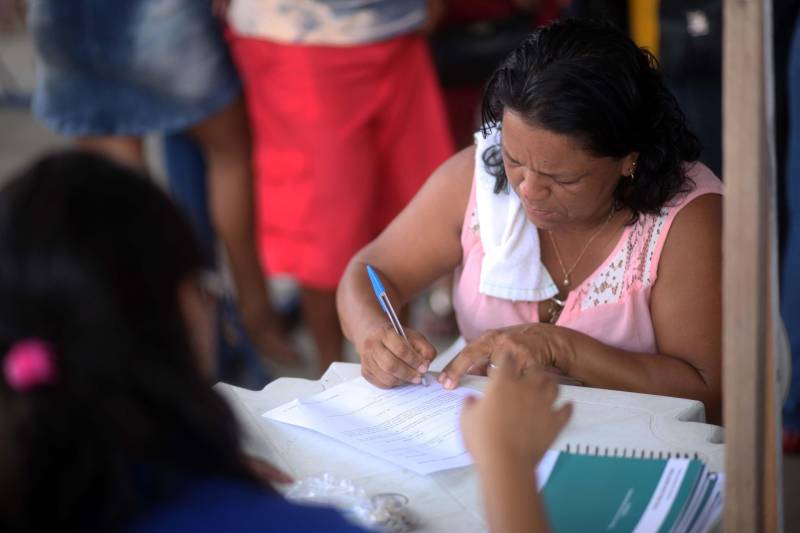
[[386, 305]]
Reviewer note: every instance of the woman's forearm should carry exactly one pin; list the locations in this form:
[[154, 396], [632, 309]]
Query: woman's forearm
[[358, 309], [598, 365]]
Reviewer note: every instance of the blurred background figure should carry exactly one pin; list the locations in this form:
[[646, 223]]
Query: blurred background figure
[[11, 92], [348, 123], [110, 73], [239, 360], [790, 293]]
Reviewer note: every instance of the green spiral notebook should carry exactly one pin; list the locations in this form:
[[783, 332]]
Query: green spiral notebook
[[584, 493]]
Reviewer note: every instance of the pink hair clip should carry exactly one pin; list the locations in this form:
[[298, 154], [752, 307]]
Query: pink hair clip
[[28, 364]]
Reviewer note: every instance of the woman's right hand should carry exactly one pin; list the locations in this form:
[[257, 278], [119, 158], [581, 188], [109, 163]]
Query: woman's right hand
[[514, 422], [387, 360]]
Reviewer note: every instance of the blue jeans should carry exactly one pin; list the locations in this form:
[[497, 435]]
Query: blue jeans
[[790, 286], [128, 68], [238, 361]]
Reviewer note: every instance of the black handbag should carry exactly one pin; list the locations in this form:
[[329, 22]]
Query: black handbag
[[467, 54]]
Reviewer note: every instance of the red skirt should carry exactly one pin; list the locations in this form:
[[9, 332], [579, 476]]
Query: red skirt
[[343, 137]]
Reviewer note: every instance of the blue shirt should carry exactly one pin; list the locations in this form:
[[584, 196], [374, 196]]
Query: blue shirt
[[214, 505]]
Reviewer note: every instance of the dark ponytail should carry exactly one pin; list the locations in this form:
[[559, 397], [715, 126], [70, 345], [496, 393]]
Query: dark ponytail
[[91, 256]]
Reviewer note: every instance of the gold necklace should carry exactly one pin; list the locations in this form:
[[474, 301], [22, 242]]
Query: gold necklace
[[568, 272]]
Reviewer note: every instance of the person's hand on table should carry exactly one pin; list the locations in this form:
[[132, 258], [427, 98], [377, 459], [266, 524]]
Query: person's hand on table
[[387, 360], [514, 421], [529, 345]]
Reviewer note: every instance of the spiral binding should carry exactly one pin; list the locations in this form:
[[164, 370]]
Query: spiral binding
[[632, 453]]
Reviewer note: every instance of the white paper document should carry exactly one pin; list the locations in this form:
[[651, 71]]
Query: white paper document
[[414, 426]]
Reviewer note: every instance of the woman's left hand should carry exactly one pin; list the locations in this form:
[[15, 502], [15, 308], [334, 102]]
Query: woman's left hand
[[529, 345]]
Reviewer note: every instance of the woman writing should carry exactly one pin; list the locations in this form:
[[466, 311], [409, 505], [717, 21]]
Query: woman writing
[[584, 233]]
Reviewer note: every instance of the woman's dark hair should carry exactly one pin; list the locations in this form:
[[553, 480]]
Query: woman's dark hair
[[588, 80], [91, 257]]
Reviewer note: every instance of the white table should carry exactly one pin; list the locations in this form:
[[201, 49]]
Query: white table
[[603, 421]]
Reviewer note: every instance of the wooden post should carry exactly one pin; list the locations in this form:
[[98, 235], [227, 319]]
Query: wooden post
[[748, 360]]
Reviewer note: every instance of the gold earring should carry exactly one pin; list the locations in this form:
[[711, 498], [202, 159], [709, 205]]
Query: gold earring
[[632, 175]]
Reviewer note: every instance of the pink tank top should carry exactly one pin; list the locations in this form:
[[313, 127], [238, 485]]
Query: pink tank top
[[612, 305]]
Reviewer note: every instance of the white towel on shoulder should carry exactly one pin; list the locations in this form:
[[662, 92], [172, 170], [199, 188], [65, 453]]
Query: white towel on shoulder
[[512, 266]]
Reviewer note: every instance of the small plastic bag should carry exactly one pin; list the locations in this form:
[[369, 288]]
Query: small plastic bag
[[386, 512]]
